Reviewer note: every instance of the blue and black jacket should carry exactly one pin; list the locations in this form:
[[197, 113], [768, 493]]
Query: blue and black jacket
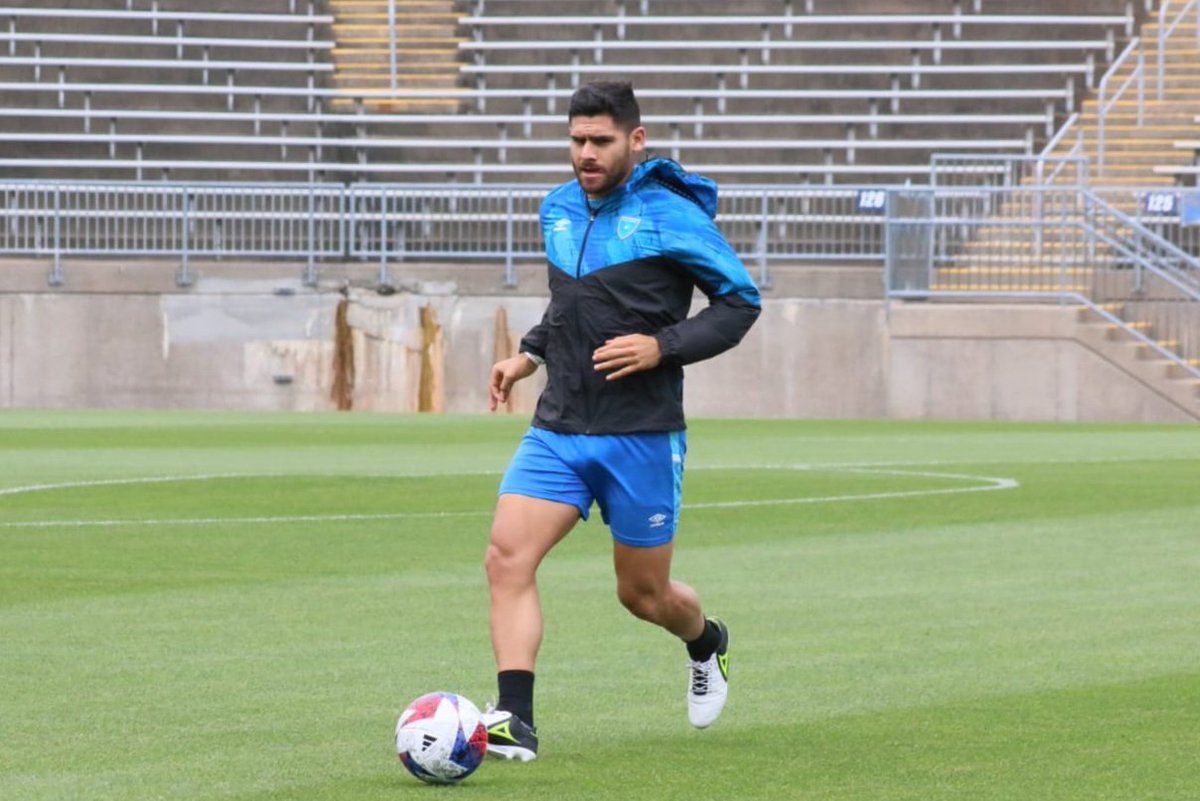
[[628, 264]]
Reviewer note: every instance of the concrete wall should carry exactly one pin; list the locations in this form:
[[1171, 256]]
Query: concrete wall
[[1003, 362], [824, 347]]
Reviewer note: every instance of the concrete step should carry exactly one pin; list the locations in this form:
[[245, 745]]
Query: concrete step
[[1135, 180], [1178, 372], [1087, 315], [376, 6], [1115, 330], [363, 59], [1008, 288], [382, 81], [383, 54], [411, 43], [1181, 118], [426, 56], [1018, 274], [382, 104], [1143, 363]]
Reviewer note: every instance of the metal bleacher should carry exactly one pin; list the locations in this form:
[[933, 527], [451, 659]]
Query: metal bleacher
[[778, 92], [123, 89]]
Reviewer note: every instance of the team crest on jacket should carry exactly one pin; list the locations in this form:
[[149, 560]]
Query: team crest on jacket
[[627, 225]]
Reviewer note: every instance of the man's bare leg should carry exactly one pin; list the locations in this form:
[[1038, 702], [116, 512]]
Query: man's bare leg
[[523, 532], [645, 588]]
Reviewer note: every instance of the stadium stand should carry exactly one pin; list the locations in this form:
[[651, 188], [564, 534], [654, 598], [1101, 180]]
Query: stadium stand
[[1045, 128], [1131, 129], [96, 90], [349, 90]]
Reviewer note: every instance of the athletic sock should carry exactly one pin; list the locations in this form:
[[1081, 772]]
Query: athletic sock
[[706, 644], [516, 693]]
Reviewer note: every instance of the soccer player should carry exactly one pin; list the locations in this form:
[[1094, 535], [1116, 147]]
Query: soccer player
[[627, 241]]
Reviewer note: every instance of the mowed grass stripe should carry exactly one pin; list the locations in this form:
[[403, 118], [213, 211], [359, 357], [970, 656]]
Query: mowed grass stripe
[[1031, 643], [256, 498]]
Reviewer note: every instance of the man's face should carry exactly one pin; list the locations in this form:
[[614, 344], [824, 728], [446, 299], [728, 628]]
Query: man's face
[[602, 154]]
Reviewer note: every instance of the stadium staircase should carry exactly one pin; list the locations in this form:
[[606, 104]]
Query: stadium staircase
[[1135, 142], [423, 35], [1056, 242]]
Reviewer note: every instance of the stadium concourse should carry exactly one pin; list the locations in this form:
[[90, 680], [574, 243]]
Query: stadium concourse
[[956, 208]]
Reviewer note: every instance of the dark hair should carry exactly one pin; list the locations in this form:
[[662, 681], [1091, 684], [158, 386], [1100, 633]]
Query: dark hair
[[612, 98]]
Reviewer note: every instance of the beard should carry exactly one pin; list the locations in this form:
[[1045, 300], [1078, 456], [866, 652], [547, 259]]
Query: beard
[[597, 180]]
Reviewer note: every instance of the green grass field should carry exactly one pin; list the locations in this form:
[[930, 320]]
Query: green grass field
[[237, 606]]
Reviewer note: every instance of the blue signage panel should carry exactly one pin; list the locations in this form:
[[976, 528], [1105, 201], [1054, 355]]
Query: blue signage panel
[[1164, 204], [1189, 209], [872, 201]]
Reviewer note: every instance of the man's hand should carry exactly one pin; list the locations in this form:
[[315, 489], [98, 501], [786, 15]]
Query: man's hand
[[506, 373], [631, 353]]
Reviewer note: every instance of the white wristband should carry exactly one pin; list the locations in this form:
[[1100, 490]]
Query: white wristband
[[533, 357]]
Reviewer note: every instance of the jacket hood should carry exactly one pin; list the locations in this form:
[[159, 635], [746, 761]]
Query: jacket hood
[[696, 188]]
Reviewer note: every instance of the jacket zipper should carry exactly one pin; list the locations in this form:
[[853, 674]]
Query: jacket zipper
[[587, 400]]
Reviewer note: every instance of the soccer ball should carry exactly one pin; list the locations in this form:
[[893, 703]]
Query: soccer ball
[[441, 738]]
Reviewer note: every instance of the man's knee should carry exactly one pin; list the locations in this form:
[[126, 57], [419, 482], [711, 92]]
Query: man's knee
[[503, 563], [641, 599]]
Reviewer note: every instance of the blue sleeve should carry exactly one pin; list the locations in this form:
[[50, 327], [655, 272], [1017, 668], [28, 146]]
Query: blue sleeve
[[694, 242]]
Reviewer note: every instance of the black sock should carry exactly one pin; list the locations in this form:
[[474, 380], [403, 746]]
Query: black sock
[[516, 693], [706, 644]]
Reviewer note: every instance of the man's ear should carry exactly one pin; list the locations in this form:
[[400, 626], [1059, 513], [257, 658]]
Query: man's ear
[[637, 139]]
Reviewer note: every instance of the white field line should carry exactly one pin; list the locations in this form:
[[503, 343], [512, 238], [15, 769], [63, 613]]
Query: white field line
[[112, 482], [983, 484], [990, 484]]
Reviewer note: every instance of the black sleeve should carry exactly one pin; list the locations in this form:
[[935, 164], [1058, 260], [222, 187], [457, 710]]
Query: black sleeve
[[714, 330], [535, 340]]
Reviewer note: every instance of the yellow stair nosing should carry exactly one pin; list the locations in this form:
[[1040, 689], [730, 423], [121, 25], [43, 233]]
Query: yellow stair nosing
[[374, 97], [968, 287], [384, 26], [385, 64]]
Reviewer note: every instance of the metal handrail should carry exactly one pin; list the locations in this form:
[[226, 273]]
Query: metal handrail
[[1048, 151], [1138, 74], [155, 13], [391, 17], [1121, 248], [1145, 235]]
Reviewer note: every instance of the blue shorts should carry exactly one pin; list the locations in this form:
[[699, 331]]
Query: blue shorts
[[636, 479]]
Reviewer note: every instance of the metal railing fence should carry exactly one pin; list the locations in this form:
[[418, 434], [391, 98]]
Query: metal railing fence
[[979, 228], [1030, 242], [1107, 102], [388, 223]]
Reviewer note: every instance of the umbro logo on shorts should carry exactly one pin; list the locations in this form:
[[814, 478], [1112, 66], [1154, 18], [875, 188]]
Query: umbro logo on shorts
[[657, 520]]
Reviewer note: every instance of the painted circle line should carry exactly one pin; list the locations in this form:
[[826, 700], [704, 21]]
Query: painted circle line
[[979, 484]]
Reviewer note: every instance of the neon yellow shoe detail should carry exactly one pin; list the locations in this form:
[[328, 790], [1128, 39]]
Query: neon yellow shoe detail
[[509, 736]]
